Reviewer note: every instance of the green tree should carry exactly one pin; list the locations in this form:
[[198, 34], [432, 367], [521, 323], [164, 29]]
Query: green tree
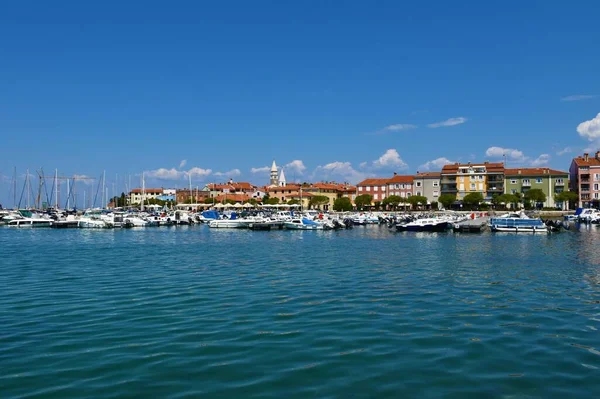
[[293, 202], [536, 196], [363, 200], [342, 204], [434, 205], [266, 198], [272, 201], [209, 200], [392, 201], [318, 200], [567, 196], [447, 200], [416, 200], [229, 201], [473, 200], [252, 201]]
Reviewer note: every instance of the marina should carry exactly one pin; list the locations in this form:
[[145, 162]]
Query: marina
[[184, 310]]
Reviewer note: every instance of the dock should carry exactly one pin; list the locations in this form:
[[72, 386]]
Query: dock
[[472, 225]]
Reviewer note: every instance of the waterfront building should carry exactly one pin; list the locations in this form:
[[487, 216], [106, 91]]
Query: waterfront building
[[550, 181], [136, 195], [284, 192], [197, 196], [381, 188], [462, 179], [330, 190], [427, 184], [585, 179]]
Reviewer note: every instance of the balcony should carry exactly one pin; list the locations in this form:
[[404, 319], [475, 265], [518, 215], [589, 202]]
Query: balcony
[[495, 189], [526, 184], [559, 183], [585, 189]]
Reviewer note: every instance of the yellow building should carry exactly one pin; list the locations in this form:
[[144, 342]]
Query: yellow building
[[462, 179]]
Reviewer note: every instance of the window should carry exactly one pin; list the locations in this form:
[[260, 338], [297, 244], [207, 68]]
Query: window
[[368, 188], [408, 186], [561, 181], [375, 196], [402, 194], [596, 176], [526, 182], [596, 196], [538, 180], [382, 196], [436, 183], [513, 181], [461, 179], [407, 195], [596, 186], [397, 186], [382, 188], [418, 193], [513, 191], [436, 194], [360, 188], [461, 187], [403, 186], [472, 186], [418, 184]]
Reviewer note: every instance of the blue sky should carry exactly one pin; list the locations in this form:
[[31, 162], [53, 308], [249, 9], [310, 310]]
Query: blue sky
[[346, 89]]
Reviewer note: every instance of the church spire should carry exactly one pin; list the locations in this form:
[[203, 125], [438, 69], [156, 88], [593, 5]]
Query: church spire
[[273, 179], [282, 182]]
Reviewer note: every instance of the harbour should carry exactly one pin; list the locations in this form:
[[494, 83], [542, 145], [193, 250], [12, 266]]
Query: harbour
[[194, 311]]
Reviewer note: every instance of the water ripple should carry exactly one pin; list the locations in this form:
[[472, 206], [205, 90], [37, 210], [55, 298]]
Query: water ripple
[[191, 312]]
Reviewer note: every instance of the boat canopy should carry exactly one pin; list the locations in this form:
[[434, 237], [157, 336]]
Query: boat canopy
[[309, 222]]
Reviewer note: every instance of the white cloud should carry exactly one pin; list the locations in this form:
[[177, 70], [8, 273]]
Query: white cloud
[[390, 159], [296, 166], [564, 151], [511, 154], [340, 171], [231, 173], [262, 169], [198, 172], [174, 174], [542, 160], [590, 129], [363, 165], [578, 97], [437, 164], [85, 179], [182, 163], [448, 122], [399, 126], [165, 174]]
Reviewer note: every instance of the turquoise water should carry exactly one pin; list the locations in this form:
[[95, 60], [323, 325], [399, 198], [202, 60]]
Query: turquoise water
[[194, 312]]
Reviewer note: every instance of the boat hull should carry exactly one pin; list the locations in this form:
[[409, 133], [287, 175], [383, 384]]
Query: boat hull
[[437, 228]]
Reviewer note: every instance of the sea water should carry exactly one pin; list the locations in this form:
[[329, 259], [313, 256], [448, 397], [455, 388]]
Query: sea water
[[195, 312]]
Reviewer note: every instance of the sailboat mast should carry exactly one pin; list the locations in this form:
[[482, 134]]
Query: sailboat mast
[[143, 190], [68, 195], [15, 188], [190, 178], [56, 188], [28, 183]]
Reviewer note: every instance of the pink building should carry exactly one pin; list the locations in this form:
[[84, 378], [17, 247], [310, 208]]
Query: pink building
[[380, 189], [584, 179]]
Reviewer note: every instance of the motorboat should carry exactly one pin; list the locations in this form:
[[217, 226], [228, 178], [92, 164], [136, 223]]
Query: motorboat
[[302, 224], [518, 223], [30, 219], [425, 224]]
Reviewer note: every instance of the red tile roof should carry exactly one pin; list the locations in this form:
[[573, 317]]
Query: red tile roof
[[591, 160], [233, 197], [533, 172], [401, 179], [428, 174], [373, 182]]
